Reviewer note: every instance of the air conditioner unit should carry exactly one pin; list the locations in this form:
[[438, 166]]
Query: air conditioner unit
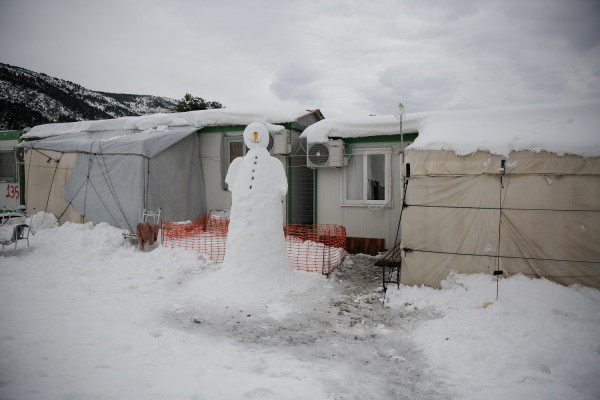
[[20, 155], [280, 142], [329, 154]]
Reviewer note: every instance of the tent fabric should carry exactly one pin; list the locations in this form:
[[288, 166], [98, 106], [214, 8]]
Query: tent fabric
[[116, 174], [176, 182], [47, 173], [108, 188], [541, 220]]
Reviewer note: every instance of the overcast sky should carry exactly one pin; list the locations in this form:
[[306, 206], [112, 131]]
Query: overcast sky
[[352, 57]]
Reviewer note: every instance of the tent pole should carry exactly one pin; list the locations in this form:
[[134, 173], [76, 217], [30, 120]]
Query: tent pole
[[402, 169], [498, 271], [146, 181]]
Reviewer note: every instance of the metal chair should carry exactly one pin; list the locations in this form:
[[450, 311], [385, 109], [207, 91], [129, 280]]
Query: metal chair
[[20, 232]]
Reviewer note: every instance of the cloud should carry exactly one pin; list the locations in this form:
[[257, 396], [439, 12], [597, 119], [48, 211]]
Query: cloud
[[574, 22], [296, 81], [419, 89], [347, 57], [485, 54]]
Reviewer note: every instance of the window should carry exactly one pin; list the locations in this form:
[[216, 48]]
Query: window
[[233, 147], [236, 149], [8, 168], [366, 178]]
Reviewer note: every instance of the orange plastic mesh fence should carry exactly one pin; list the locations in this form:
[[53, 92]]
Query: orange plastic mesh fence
[[314, 248], [206, 234]]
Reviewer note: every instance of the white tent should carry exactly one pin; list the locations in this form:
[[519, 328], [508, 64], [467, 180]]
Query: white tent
[[118, 173], [512, 190], [110, 170]]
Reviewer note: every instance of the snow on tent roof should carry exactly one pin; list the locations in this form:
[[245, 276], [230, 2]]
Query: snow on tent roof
[[147, 143], [196, 119], [571, 128]]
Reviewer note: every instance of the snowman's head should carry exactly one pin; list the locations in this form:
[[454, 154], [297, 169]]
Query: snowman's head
[[256, 136]]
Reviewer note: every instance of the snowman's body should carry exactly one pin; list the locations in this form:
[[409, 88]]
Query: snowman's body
[[255, 240]]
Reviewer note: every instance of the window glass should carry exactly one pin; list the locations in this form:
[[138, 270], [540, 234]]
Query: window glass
[[366, 177], [8, 170], [354, 179], [236, 149], [376, 177]]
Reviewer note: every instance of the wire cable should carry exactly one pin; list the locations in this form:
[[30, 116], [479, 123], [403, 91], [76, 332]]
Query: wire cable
[[409, 250]]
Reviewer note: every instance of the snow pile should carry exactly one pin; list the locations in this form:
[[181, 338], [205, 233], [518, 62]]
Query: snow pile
[[6, 232], [83, 314], [43, 220], [558, 128], [198, 119], [539, 340]]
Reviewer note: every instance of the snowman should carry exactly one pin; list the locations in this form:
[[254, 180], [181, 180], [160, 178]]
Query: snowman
[[256, 253]]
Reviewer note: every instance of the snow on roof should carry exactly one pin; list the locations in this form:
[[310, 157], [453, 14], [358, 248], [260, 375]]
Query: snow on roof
[[572, 128], [353, 127], [198, 119]]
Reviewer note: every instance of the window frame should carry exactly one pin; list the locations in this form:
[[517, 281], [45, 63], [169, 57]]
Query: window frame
[[363, 153], [8, 163]]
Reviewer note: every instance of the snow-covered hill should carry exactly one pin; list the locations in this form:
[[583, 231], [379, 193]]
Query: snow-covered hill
[[30, 98]]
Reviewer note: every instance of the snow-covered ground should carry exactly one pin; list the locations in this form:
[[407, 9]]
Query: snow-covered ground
[[84, 315]]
